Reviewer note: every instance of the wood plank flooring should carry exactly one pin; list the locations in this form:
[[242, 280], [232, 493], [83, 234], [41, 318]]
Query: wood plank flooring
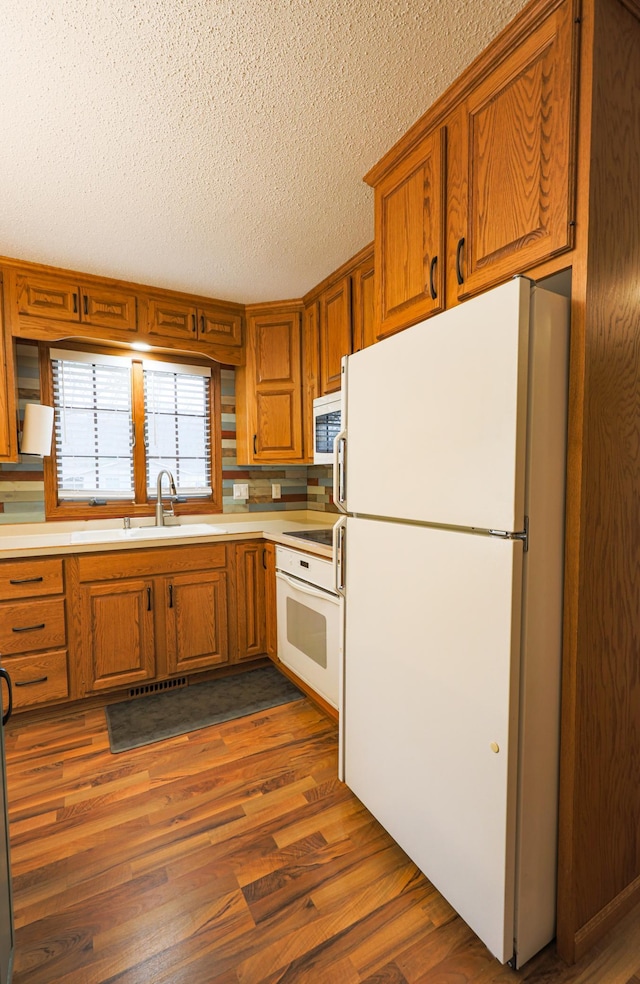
[[229, 855]]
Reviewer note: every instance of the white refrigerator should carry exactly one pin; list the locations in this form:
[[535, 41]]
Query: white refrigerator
[[450, 469]]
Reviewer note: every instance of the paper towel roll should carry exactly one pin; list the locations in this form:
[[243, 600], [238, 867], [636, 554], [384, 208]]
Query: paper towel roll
[[37, 429]]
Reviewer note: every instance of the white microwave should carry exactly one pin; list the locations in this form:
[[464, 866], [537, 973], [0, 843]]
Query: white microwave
[[327, 414]]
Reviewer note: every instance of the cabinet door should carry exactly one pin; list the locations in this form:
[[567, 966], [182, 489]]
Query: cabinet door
[[335, 333], [103, 308], [117, 633], [270, 599], [220, 326], [363, 306], [171, 318], [409, 237], [310, 374], [8, 394], [250, 600], [196, 620], [50, 298], [517, 137], [271, 391]]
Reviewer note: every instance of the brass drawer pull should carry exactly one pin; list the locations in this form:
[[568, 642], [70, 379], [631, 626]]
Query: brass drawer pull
[[28, 683], [29, 628], [25, 580]]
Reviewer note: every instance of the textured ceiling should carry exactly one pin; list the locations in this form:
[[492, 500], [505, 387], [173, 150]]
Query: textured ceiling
[[214, 146]]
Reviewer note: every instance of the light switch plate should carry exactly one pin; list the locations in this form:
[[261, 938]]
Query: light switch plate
[[241, 491], [275, 490]]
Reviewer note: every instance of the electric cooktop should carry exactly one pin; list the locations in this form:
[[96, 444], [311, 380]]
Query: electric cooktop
[[324, 535]]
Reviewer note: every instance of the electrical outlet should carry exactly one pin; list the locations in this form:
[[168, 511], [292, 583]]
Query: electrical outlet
[[241, 491], [275, 491]]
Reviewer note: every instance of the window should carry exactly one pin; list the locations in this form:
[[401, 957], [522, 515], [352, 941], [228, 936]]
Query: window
[[93, 426], [177, 432], [119, 421]]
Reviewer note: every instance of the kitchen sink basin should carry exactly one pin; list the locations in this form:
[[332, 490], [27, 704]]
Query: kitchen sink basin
[[137, 533]]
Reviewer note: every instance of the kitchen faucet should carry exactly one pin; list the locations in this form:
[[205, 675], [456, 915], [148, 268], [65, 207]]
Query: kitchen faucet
[[160, 512]]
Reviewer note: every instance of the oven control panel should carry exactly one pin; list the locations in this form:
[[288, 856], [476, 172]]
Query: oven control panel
[[306, 567]]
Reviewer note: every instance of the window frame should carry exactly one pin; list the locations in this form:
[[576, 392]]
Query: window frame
[[141, 506]]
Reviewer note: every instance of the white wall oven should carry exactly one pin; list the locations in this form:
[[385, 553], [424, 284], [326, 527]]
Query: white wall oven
[[309, 611]]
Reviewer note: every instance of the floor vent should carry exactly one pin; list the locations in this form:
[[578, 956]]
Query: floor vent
[[154, 688]]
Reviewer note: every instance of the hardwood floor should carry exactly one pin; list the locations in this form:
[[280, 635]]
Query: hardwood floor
[[232, 854]]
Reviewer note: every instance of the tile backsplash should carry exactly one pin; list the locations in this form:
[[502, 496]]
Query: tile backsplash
[[302, 487]]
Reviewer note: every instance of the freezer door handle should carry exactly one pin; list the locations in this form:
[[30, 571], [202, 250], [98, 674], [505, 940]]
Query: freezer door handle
[[339, 476]]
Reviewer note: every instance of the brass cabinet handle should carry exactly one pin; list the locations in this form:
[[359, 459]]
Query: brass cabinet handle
[[29, 628], [25, 580], [28, 683]]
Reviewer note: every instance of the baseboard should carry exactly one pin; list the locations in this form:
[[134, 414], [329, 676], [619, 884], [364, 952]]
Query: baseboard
[[604, 920]]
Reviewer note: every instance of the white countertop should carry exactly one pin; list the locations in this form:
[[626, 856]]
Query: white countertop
[[45, 539]]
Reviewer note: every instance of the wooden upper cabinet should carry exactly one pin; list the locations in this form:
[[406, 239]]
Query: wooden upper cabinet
[[181, 319], [220, 326], [170, 318], [335, 333], [516, 135], [269, 390], [104, 308], [310, 373], [482, 187], [8, 392], [409, 237], [42, 298], [53, 299], [363, 305]]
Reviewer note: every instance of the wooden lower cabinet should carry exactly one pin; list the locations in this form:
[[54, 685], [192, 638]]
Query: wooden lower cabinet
[[176, 611], [33, 631], [270, 599], [145, 615], [196, 621], [136, 617], [250, 600], [117, 633]]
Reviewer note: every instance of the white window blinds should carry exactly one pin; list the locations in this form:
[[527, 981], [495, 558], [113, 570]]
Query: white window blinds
[[93, 433], [177, 426]]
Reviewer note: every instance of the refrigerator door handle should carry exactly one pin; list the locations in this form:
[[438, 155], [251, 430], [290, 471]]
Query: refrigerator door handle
[[339, 475], [339, 539]]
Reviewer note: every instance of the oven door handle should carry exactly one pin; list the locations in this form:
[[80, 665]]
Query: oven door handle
[[307, 589]]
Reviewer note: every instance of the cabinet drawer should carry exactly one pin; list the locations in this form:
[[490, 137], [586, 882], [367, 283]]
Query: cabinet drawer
[[29, 578], [147, 563], [38, 679], [32, 625]]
